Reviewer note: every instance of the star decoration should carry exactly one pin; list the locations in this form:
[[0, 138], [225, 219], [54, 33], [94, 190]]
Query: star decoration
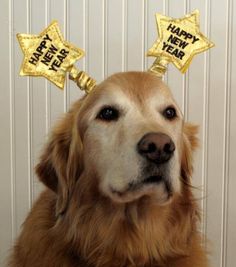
[[48, 54], [179, 41]]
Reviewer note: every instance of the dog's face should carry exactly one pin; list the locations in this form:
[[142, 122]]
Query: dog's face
[[131, 130], [127, 137]]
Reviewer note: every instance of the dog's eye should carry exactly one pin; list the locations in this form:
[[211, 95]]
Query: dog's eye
[[108, 114], [170, 113]]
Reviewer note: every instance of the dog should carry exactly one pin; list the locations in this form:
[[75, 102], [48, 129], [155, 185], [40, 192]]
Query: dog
[[117, 170]]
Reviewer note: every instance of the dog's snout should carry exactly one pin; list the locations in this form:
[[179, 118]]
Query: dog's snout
[[157, 147]]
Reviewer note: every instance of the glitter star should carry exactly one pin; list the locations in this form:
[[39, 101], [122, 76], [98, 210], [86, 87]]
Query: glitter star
[[179, 41], [48, 54]]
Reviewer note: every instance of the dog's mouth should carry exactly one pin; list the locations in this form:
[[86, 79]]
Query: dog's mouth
[[153, 179], [157, 185], [150, 180]]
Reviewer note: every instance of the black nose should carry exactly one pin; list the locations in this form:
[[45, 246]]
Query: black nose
[[157, 147]]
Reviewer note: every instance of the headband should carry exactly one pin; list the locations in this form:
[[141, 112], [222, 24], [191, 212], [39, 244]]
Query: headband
[[49, 55]]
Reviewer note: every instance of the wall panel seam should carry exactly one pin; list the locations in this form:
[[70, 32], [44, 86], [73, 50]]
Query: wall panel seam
[[86, 32], [47, 83], [143, 37], [29, 115], [186, 77], [125, 34], [145, 34], [166, 12], [205, 153], [66, 87], [12, 118], [226, 131], [105, 8]]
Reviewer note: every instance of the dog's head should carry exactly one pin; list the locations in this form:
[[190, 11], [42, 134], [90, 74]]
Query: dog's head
[[128, 136]]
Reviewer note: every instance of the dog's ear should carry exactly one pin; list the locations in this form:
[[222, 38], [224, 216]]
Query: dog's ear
[[61, 161], [190, 143]]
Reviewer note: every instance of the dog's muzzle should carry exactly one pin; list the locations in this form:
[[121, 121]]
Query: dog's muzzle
[[157, 149]]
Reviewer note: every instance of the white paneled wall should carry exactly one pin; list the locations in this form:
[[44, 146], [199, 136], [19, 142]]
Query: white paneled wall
[[116, 35]]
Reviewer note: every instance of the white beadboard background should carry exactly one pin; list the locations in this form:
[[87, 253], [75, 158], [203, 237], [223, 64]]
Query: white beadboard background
[[115, 35]]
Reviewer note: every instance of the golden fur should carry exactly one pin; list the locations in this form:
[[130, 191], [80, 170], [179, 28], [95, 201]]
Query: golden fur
[[74, 224]]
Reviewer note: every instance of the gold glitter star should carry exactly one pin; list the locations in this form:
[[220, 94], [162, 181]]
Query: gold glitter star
[[48, 54], [179, 41]]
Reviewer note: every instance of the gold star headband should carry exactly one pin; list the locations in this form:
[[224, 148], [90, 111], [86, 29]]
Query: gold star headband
[[49, 55], [179, 40]]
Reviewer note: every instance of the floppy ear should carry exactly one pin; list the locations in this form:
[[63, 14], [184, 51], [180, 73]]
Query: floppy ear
[[60, 163], [190, 143]]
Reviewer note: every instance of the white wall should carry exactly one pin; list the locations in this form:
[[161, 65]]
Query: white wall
[[115, 35]]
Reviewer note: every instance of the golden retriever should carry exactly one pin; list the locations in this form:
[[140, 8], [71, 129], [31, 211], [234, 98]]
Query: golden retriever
[[118, 173]]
